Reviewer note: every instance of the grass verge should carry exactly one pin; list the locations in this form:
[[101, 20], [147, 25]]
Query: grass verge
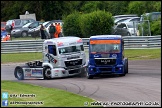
[[50, 97], [143, 54], [131, 54]]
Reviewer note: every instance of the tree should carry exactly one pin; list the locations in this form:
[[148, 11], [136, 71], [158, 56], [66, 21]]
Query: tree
[[117, 7], [157, 6], [91, 6], [136, 7], [156, 27]]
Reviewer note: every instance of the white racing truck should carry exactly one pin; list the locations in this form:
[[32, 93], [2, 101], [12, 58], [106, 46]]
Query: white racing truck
[[62, 57]]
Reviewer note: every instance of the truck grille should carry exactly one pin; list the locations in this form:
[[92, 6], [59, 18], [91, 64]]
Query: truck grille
[[74, 57], [105, 61], [73, 62], [74, 71], [105, 69]]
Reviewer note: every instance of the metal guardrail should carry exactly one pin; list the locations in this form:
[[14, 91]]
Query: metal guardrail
[[130, 42]]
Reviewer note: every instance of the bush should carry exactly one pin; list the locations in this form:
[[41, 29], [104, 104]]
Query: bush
[[156, 27], [71, 25], [86, 25], [96, 23], [144, 29]]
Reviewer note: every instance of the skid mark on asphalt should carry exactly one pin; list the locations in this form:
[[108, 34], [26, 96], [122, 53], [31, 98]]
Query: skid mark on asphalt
[[77, 87], [94, 91], [80, 87], [80, 90]]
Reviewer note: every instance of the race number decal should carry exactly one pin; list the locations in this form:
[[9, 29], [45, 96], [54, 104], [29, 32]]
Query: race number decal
[[116, 47]]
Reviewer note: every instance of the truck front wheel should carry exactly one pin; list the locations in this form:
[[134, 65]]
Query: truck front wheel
[[47, 73], [19, 74], [126, 66]]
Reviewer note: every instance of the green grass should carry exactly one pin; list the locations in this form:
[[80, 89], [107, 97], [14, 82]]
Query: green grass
[[142, 54], [132, 54], [51, 97], [20, 57]]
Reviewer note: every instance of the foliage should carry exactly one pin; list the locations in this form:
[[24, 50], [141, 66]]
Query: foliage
[[136, 7], [117, 7], [153, 27], [156, 28], [96, 23], [95, 5], [71, 25], [157, 6], [57, 10], [54, 10], [144, 28], [140, 7]]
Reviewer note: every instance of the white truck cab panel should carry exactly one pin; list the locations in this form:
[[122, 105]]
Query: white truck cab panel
[[62, 57], [65, 55]]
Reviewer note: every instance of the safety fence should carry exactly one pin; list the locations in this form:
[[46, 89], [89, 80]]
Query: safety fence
[[130, 42]]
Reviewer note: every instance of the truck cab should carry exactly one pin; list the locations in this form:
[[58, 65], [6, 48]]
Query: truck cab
[[62, 57], [106, 56]]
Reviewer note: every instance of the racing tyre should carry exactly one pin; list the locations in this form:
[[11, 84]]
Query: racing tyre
[[19, 74], [24, 34], [126, 66], [47, 73]]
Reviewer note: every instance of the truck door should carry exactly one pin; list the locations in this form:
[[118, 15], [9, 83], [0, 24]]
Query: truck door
[[52, 49], [52, 54]]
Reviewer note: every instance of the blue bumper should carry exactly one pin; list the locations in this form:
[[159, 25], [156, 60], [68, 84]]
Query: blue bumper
[[96, 70]]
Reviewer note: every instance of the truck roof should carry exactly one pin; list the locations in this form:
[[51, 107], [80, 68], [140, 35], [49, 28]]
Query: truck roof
[[106, 37], [68, 39]]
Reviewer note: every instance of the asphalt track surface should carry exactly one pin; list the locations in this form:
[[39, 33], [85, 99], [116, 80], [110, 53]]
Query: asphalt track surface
[[141, 84]]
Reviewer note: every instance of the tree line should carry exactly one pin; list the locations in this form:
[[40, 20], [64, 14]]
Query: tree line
[[57, 10]]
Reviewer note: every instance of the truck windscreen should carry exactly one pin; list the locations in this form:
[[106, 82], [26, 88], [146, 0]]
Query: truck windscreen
[[105, 46], [70, 49]]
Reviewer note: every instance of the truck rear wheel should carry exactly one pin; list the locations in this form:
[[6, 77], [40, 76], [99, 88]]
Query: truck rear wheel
[[19, 74], [47, 73]]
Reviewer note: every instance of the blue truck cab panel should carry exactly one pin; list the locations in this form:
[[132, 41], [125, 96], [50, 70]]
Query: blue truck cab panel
[[106, 56]]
